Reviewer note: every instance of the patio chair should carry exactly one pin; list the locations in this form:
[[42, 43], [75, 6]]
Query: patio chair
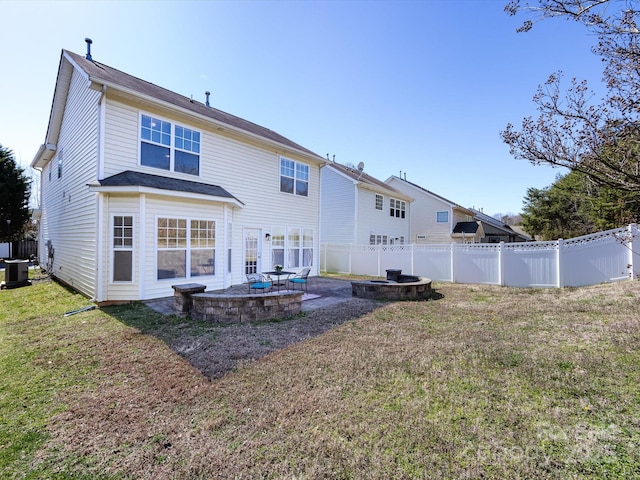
[[258, 281], [300, 279]]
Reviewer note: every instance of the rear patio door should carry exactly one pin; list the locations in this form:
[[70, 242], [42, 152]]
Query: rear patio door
[[252, 250]]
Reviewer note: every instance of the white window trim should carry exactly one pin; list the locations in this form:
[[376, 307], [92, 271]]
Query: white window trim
[[442, 221], [381, 202], [216, 248], [113, 249], [172, 148], [295, 177]]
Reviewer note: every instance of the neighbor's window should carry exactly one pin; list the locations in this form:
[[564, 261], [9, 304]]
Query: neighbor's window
[[169, 147], [294, 177], [185, 246], [378, 239], [397, 208], [442, 217], [122, 248], [60, 164], [379, 200]]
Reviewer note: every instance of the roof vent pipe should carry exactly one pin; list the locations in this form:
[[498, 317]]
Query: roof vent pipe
[[207, 102], [89, 42]]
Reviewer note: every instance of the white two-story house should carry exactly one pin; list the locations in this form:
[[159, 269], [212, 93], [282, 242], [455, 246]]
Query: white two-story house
[[143, 188], [358, 209], [434, 219]]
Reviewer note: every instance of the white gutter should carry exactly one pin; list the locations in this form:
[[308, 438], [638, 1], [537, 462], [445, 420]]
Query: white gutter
[[166, 193]]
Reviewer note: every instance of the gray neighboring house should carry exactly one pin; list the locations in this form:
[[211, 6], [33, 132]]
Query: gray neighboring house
[[496, 231]]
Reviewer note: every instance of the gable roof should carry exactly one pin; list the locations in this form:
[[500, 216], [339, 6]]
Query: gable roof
[[103, 75], [429, 192], [136, 181], [494, 227], [368, 181]]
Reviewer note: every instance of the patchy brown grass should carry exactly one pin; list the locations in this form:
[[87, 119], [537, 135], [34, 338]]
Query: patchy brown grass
[[486, 382]]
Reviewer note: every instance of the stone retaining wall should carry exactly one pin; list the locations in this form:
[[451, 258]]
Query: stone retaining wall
[[389, 290], [245, 308]]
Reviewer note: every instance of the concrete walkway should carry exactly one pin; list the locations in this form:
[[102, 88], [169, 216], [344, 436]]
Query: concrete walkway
[[323, 292]]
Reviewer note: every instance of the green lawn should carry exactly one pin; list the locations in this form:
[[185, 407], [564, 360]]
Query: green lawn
[[486, 382]]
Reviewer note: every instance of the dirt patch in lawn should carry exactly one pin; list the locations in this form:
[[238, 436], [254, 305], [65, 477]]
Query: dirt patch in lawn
[[216, 349]]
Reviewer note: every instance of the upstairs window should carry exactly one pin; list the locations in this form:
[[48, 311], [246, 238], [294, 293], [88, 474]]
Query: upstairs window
[[169, 147], [442, 217], [397, 208], [379, 200], [294, 177], [187, 154]]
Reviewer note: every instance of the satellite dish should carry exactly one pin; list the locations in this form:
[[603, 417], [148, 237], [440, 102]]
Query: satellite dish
[[361, 166]]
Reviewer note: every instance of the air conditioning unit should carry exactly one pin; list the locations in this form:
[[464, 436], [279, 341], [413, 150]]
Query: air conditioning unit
[[16, 274]]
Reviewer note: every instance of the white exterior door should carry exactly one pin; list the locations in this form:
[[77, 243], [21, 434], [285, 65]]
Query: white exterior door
[[252, 250]]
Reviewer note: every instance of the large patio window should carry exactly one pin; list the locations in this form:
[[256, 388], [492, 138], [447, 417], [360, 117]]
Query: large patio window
[[292, 247], [185, 248], [277, 246]]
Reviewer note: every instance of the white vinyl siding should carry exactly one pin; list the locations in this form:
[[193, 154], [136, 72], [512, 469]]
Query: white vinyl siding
[[338, 208], [423, 214], [378, 222], [68, 208], [73, 215]]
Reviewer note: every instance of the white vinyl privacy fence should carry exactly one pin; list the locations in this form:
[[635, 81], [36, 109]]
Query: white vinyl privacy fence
[[608, 256]]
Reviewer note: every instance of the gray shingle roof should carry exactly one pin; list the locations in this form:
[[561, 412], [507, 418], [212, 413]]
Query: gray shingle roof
[[361, 176], [100, 73], [130, 178]]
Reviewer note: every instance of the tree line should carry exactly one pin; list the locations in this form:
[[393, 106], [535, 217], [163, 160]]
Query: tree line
[[599, 142]]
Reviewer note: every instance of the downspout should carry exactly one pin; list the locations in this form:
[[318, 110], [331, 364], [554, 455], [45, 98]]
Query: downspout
[[320, 216], [102, 115], [99, 282]]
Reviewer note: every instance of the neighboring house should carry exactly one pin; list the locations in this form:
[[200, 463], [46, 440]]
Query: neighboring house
[[359, 209], [434, 219], [496, 231], [143, 188]]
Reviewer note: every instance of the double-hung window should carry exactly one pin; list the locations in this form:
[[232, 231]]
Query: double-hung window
[[169, 147], [122, 248], [379, 202], [397, 208], [294, 177]]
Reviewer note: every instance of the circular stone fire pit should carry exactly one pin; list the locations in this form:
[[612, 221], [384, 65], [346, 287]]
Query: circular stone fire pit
[[392, 290]]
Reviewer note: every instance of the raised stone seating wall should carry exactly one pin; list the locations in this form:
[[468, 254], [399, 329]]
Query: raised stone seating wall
[[244, 308]]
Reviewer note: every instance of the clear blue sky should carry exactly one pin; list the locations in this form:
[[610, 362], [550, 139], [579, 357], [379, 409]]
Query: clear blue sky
[[418, 87]]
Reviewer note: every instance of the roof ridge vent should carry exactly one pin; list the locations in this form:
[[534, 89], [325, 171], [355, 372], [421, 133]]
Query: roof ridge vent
[[89, 42]]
